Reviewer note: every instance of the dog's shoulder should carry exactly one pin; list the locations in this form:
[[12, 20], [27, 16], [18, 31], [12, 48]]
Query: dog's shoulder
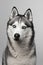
[[5, 56]]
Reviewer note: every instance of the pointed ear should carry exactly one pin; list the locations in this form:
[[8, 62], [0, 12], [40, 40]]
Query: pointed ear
[[28, 14], [14, 12]]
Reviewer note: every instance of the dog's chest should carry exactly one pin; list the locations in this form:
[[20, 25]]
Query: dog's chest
[[20, 61]]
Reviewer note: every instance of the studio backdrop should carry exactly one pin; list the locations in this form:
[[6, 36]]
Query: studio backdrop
[[37, 10]]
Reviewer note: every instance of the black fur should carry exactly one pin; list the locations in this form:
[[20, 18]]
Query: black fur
[[33, 35], [34, 53]]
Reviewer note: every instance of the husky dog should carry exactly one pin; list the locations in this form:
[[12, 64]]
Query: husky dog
[[20, 49]]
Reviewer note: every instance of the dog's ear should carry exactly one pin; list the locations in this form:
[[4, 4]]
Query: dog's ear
[[28, 14], [14, 12]]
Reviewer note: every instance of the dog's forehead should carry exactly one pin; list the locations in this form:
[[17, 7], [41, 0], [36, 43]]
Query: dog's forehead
[[19, 19], [19, 23]]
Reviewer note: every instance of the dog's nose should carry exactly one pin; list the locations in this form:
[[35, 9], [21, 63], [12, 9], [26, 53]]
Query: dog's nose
[[17, 36]]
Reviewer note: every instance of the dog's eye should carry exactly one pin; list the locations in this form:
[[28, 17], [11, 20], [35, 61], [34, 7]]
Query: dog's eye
[[24, 27], [14, 26]]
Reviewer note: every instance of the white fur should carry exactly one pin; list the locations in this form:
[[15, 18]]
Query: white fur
[[21, 55], [21, 61]]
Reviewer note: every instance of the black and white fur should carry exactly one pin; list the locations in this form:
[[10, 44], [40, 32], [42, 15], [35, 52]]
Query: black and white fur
[[20, 50]]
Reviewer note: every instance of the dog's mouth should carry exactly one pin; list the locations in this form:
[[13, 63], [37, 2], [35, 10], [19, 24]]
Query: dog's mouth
[[16, 39]]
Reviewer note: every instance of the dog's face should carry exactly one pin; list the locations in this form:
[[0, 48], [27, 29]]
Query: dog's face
[[20, 27]]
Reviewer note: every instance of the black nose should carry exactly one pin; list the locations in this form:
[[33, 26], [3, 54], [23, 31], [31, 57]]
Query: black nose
[[17, 36]]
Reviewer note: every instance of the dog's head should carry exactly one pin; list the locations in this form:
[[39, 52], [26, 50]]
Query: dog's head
[[20, 27]]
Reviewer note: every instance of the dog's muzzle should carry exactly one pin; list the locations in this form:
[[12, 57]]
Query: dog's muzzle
[[16, 36]]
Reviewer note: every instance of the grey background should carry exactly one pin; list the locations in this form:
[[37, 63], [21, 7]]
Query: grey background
[[37, 9]]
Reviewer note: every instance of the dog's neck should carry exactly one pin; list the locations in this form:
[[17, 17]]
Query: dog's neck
[[18, 48]]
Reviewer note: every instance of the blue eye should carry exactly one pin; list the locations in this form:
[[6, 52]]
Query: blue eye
[[24, 27], [14, 26]]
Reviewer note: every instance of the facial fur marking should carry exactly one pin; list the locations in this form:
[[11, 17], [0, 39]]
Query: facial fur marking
[[10, 42]]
